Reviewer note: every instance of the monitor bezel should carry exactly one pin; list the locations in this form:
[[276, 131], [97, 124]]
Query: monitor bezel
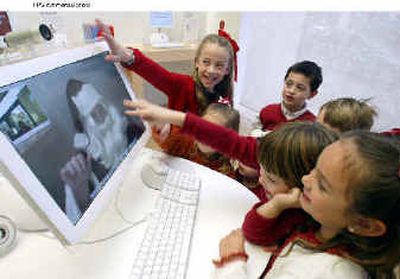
[[25, 181]]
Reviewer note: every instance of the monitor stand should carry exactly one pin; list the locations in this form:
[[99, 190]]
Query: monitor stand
[[134, 199], [15, 215]]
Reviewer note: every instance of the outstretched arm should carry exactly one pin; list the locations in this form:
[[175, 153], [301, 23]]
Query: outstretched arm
[[222, 139], [118, 52], [153, 113], [167, 82]]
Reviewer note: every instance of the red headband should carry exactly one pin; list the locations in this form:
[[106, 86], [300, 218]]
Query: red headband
[[233, 43]]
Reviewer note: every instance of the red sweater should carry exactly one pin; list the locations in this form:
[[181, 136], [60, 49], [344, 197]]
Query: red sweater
[[395, 132], [184, 146], [271, 116], [265, 232], [224, 140], [179, 88]]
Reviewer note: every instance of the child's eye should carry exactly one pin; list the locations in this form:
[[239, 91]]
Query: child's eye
[[321, 186], [300, 88], [270, 179]]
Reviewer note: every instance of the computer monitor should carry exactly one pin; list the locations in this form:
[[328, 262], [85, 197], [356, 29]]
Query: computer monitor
[[65, 143]]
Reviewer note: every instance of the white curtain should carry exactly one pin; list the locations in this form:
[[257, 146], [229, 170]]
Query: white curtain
[[358, 52]]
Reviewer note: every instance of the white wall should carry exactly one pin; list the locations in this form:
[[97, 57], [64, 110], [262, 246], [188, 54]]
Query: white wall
[[132, 28], [357, 51]]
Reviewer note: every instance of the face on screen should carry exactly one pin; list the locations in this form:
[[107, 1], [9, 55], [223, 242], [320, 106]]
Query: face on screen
[[68, 126], [104, 126]]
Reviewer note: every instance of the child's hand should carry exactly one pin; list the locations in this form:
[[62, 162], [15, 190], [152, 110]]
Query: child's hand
[[287, 200], [163, 131], [279, 203], [154, 114], [118, 52], [232, 243]]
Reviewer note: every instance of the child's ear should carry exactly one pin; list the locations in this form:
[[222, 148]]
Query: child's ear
[[313, 93], [369, 227]]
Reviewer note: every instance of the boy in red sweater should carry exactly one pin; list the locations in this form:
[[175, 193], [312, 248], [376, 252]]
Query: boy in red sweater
[[301, 83]]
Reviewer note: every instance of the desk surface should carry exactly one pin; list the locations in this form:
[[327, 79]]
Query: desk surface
[[222, 206]]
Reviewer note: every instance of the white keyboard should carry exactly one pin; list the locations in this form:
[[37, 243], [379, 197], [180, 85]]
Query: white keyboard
[[164, 251]]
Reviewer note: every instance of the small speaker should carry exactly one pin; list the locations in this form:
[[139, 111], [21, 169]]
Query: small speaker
[[8, 235], [46, 32]]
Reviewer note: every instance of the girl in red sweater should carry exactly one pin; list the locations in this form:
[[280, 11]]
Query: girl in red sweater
[[353, 196], [212, 77]]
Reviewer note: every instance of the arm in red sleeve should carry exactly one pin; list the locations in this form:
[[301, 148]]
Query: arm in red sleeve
[[259, 191], [168, 82], [268, 231], [270, 116], [222, 139]]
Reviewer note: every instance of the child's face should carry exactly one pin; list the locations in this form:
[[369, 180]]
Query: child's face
[[272, 183], [296, 90], [215, 118], [212, 65], [325, 195]]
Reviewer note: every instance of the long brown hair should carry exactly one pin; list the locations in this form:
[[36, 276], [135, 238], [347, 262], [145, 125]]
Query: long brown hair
[[292, 150], [225, 88], [372, 171]]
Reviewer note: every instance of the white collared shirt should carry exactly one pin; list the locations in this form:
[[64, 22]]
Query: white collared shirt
[[300, 263], [292, 115]]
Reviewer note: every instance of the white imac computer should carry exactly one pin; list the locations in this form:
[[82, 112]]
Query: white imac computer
[[65, 142]]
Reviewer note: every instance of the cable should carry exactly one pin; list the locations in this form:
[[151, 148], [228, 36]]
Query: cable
[[120, 214], [112, 235], [118, 209], [103, 238], [32, 230]]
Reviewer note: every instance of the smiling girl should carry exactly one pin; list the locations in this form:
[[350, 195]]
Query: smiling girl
[[353, 197]]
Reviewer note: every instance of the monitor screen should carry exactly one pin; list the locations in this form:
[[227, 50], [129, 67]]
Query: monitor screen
[[65, 141]]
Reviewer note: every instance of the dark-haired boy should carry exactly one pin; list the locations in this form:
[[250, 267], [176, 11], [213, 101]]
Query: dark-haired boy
[[301, 83]]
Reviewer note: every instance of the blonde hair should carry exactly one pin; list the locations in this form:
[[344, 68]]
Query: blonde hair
[[345, 114], [231, 115]]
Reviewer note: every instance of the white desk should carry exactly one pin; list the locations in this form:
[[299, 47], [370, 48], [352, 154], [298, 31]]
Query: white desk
[[222, 206]]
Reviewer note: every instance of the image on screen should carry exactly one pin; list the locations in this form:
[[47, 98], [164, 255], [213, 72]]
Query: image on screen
[[68, 125]]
